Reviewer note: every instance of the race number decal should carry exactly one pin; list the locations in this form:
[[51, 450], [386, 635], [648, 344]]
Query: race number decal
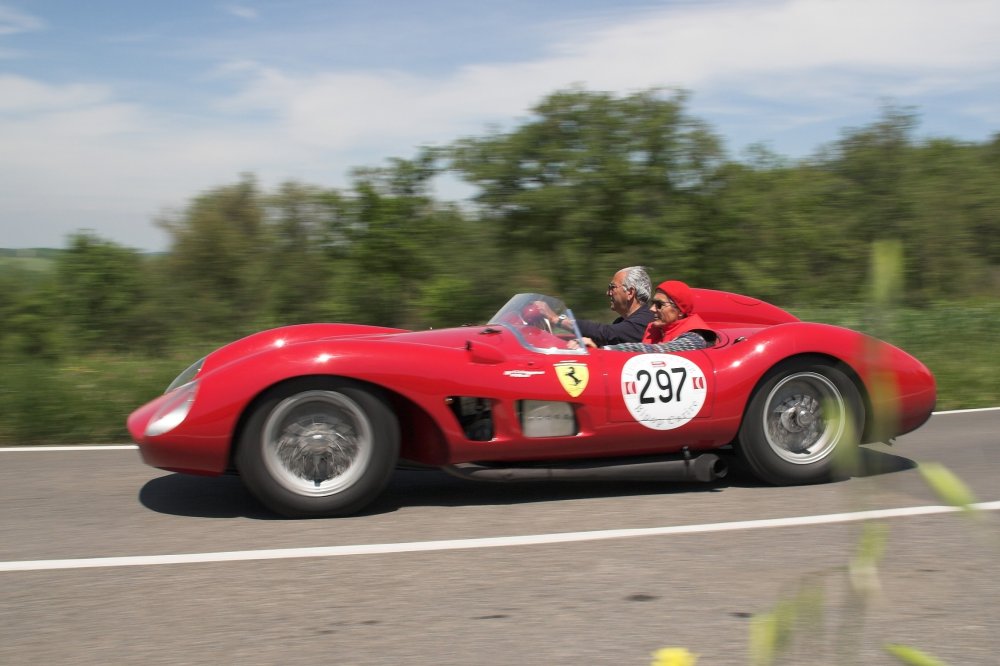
[[662, 391]]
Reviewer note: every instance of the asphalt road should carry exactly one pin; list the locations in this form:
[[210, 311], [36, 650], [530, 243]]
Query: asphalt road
[[604, 598]]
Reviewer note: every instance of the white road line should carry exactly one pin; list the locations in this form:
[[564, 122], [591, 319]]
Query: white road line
[[109, 447], [488, 542], [966, 411]]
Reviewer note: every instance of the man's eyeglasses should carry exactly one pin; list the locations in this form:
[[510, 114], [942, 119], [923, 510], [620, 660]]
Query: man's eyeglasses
[[612, 286], [657, 303]]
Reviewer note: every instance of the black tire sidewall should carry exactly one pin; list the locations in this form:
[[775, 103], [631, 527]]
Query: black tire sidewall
[[385, 434], [757, 452]]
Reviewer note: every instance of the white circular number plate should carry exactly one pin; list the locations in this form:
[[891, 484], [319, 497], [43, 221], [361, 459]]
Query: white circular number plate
[[662, 391]]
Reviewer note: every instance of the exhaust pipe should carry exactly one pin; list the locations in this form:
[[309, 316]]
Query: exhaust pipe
[[705, 467]]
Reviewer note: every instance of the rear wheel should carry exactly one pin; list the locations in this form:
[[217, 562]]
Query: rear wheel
[[800, 422], [319, 449]]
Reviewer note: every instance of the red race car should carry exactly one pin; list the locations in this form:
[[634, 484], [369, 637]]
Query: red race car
[[316, 417]]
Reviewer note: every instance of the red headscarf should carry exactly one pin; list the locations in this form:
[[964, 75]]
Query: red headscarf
[[683, 298], [680, 294]]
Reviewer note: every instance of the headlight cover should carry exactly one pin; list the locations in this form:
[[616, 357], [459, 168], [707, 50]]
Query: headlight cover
[[187, 375], [173, 411]]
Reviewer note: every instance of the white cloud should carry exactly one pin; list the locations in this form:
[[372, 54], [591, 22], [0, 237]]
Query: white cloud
[[113, 159], [22, 95], [848, 52], [724, 44], [13, 21], [242, 11]]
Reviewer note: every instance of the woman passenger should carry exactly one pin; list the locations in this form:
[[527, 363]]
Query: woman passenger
[[675, 326]]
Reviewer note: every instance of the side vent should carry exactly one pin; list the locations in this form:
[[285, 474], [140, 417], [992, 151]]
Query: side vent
[[475, 416]]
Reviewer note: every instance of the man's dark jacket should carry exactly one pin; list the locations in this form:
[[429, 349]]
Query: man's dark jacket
[[623, 329]]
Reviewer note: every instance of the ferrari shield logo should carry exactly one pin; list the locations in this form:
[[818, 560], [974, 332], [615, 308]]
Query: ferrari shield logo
[[572, 376]]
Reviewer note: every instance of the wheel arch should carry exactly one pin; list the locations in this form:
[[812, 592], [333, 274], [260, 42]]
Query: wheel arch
[[815, 357], [421, 439], [771, 451]]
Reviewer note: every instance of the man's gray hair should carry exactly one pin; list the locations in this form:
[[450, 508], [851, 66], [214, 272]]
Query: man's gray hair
[[637, 278]]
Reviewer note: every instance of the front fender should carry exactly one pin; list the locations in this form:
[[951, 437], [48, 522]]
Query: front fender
[[202, 442]]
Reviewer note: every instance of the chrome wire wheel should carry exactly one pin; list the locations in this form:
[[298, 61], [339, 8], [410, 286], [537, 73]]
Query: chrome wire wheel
[[317, 443], [804, 418]]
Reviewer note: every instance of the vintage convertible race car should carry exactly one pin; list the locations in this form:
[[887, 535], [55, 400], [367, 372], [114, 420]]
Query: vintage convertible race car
[[316, 417]]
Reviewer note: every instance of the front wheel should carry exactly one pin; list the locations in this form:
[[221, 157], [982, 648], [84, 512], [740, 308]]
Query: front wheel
[[312, 450], [800, 422]]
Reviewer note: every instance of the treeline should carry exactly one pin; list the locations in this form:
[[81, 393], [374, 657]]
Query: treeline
[[589, 183]]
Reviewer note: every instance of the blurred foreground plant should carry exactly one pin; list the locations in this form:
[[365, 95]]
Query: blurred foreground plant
[[674, 656], [912, 656], [951, 489], [772, 634]]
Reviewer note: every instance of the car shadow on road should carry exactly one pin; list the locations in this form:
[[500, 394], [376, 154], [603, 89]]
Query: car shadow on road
[[226, 497], [876, 462], [202, 497], [869, 462], [434, 488]]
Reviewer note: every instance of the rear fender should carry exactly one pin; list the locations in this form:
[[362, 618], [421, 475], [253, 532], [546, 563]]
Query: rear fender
[[744, 366], [723, 307]]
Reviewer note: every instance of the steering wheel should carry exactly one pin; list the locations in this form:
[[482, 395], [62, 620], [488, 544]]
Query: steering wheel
[[533, 315]]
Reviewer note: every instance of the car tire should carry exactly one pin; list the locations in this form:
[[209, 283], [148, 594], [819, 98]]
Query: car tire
[[319, 448], [802, 424]]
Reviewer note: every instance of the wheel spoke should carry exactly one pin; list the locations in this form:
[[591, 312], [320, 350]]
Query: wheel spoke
[[317, 443], [804, 418]]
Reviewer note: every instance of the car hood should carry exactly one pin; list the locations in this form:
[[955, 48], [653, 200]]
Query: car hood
[[287, 336]]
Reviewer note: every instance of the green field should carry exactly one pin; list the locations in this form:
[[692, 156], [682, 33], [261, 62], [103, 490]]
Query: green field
[[88, 399], [25, 263]]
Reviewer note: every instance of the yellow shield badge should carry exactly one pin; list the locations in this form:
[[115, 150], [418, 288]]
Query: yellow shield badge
[[572, 376]]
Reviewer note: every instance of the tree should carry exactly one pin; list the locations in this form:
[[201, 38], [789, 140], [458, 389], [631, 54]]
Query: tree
[[306, 250], [593, 183], [30, 311], [218, 260], [781, 232], [873, 160], [951, 237], [938, 197], [416, 262], [101, 287]]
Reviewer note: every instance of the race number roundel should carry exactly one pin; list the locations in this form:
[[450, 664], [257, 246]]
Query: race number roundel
[[662, 391]]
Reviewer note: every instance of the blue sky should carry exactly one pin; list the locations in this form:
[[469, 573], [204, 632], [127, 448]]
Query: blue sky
[[115, 112]]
